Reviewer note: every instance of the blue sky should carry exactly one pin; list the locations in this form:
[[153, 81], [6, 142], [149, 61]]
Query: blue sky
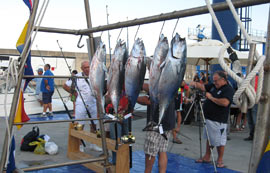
[[70, 14]]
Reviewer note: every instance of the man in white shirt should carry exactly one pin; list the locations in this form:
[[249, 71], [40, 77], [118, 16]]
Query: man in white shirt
[[83, 85]]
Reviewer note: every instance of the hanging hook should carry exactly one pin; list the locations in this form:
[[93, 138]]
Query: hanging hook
[[119, 34], [137, 32], [175, 27], [79, 42], [162, 27]]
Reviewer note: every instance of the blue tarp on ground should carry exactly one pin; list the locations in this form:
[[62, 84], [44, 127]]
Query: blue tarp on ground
[[176, 163], [57, 116]]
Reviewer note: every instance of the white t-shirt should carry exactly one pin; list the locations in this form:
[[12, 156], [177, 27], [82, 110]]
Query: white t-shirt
[[85, 90]]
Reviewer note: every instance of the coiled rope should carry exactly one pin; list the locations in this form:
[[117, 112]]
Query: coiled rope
[[245, 83]]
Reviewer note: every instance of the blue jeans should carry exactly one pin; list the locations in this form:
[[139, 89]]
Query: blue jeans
[[122, 129], [252, 116]]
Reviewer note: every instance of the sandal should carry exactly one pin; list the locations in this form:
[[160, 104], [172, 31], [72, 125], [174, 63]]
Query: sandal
[[202, 161], [177, 141], [221, 165]]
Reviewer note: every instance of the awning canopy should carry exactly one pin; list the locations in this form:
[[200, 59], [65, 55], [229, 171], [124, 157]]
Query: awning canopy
[[207, 51]]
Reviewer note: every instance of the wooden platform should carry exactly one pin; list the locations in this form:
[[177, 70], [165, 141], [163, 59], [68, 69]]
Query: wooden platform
[[122, 154]]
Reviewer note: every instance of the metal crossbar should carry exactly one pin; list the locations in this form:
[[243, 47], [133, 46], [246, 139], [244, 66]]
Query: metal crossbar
[[156, 18]]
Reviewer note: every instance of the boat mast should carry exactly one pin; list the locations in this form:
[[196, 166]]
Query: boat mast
[[89, 25]]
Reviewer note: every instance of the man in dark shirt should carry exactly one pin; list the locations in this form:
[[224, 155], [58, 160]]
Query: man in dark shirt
[[219, 96], [156, 144]]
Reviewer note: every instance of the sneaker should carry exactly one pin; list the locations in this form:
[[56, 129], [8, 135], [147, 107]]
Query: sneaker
[[81, 148], [50, 114], [95, 147], [43, 115], [177, 141]]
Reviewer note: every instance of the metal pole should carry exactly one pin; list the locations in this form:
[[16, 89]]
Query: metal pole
[[262, 128], [65, 164], [58, 76], [17, 92], [54, 121], [89, 25], [157, 18]]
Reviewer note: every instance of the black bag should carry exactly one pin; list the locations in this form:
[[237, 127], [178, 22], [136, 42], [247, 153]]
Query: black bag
[[28, 138]]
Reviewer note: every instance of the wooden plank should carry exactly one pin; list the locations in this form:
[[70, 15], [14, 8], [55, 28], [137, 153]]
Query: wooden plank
[[73, 142], [92, 138], [122, 154], [122, 159], [94, 166]]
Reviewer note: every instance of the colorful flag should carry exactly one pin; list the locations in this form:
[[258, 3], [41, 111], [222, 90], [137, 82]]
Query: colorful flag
[[264, 165], [20, 116], [11, 160], [20, 45], [29, 4]]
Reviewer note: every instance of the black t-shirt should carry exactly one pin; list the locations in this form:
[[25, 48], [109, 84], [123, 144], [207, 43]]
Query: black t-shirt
[[213, 111], [168, 121]]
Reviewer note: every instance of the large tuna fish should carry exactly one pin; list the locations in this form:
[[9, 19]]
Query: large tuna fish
[[160, 54], [135, 72], [115, 80], [97, 76], [172, 73]]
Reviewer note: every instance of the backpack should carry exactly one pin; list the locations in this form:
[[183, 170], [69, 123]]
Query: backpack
[[28, 138]]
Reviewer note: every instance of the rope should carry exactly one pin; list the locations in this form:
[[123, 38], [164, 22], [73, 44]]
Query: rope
[[249, 40], [175, 27], [244, 84], [12, 70], [162, 28], [119, 34], [242, 28], [136, 32]]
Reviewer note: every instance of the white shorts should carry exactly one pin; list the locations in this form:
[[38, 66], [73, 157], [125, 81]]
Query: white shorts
[[80, 112], [217, 133]]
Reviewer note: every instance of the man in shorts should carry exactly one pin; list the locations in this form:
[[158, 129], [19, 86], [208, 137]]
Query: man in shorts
[[38, 93], [216, 108], [47, 89], [88, 98], [155, 143]]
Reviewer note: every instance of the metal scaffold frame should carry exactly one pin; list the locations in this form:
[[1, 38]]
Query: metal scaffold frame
[[264, 104]]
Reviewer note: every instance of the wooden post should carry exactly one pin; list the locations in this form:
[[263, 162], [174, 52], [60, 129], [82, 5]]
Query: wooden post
[[262, 128], [122, 154]]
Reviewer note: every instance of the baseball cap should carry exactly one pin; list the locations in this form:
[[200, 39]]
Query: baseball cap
[[40, 69]]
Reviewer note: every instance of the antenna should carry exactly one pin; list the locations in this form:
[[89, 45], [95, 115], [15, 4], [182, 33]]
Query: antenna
[[109, 36]]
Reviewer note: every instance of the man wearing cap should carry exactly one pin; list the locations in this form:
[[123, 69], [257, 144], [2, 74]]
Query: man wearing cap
[[38, 93], [219, 95], [47, 88]]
